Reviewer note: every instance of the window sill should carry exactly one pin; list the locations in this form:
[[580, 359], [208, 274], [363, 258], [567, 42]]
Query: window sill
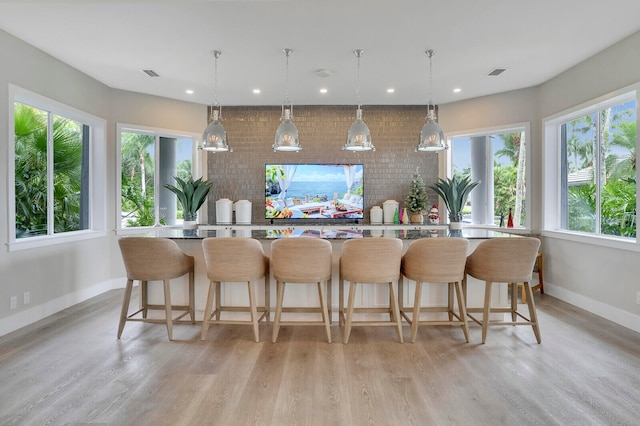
[[51, 240], [596, 240]]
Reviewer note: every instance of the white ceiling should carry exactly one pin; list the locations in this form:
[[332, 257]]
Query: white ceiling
[[113, 41]]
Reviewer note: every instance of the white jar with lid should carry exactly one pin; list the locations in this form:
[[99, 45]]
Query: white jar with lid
[[243, 212], [390, 207], [224, 211], [375, 215]]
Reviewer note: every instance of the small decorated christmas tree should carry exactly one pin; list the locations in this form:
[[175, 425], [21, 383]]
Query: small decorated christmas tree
[[416, 200]]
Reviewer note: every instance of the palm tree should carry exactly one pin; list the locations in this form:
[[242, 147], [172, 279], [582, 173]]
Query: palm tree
[[137, 178], [514, 150], [625, 138]]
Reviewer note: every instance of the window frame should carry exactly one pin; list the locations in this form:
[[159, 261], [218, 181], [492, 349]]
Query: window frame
[[552, 170], [446, 167], [198, 164], [97, 171]]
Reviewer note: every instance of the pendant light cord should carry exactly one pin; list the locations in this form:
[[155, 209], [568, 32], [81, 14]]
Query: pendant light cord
[[430, 53], [216, 55], [358, 53], [287, 102]]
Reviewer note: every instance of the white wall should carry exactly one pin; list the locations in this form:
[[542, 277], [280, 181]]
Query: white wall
[[62, 275], [601, 279]]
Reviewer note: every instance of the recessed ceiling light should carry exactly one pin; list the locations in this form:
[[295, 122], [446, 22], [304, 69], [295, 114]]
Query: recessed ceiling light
[[323, 90], [256, 91], [391, 90], [457, 90], [189, 92]]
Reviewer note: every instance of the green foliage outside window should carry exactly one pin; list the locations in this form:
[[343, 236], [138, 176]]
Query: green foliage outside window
[[31, 179]]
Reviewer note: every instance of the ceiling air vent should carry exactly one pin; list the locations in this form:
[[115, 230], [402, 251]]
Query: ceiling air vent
[[151, 73], [496, 71]]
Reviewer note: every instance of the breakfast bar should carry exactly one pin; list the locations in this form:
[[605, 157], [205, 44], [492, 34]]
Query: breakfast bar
[[190, 242]]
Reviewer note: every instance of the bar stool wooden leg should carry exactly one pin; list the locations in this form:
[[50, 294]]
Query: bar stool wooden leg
[[416, 311], [532, 312], [278, 314], [208, 309], [253, 310], [486, 310], [395, 309], [325, 312], [462, 309], [125, 307], [167, 308], [350, 307]]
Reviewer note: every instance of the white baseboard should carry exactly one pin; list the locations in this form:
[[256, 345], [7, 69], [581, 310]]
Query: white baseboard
[[611, 313], [37, 312]]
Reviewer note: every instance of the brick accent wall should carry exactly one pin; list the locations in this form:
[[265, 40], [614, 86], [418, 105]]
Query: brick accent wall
[[323, 131]]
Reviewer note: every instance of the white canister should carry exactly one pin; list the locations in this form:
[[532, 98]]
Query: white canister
[[224, 211], [243, 212], [389, 208], [375, 215]]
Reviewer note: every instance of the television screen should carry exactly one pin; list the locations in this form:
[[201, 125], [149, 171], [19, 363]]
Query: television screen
[[314, 191]]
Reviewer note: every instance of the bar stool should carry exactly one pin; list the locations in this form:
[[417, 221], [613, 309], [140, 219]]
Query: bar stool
[[504, 260], [370, 261], [299, 261], [235, 260], [435, 260], [154, 259]]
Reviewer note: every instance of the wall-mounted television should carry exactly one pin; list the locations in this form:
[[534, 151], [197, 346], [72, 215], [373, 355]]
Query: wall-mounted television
[[314, 191]]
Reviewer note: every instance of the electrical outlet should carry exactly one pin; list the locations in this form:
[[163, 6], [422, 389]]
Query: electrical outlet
[[638, 297], [13, 302], [26, 298]]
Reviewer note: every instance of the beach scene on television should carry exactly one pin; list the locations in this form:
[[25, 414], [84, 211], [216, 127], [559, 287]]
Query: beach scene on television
[[314, 191]]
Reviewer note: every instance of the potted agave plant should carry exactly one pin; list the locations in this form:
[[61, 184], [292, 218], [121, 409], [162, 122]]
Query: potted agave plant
[[454, 192], [191, 195]]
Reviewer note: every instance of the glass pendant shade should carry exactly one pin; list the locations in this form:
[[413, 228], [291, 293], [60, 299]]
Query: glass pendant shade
[[287, 134], [359, 136], [214, 138], [431, 136]]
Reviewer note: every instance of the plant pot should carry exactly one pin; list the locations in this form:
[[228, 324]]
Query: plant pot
[[455, 226], [189, 220], [189, 224], [417, 218]]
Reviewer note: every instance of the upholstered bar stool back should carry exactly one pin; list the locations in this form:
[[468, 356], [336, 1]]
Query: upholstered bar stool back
[[370, 261], [234, 260], [436, 260], [154, 259], [299, 261], [504, 260]]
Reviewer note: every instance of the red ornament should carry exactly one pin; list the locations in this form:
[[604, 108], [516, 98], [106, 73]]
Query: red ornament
[[510, 220]]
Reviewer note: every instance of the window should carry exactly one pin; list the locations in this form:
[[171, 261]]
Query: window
[[54, 178], [497, 159], [149, 159], [596, 157]]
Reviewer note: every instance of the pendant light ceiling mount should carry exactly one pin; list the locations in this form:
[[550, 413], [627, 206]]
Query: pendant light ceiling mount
[[214, 138], [359, 136], [287, 133], [431, 137]]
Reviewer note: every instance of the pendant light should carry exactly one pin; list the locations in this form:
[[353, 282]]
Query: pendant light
[[359, 136], [287, 133], [431, 136], [214, 138]]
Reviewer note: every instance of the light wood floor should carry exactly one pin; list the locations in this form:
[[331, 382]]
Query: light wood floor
[[71, 369]]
